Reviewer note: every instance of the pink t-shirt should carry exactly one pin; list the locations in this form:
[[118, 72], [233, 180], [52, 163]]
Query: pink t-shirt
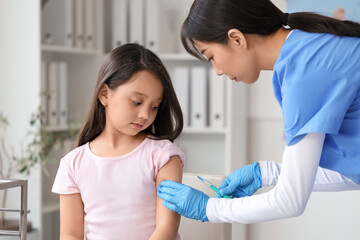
[[119, 193]]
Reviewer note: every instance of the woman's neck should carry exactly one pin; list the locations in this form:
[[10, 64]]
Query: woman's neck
[[268, 48]]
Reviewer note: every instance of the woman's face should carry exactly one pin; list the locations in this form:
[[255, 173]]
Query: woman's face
[[238, 63]]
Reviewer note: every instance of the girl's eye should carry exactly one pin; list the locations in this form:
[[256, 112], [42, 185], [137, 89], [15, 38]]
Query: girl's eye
[[136, 103], [211, 59], [156, 107]]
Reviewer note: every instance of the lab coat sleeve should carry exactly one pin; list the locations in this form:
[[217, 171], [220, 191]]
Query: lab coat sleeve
[[287, 199], [326, 180]]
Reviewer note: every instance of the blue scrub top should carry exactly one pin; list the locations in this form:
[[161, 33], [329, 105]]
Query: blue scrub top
[[316, 82]]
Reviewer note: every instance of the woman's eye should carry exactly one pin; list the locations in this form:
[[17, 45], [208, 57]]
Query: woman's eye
[[156, 107]]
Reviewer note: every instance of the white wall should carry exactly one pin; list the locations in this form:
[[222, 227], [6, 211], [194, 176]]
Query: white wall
[[329, 216], [19, 80]]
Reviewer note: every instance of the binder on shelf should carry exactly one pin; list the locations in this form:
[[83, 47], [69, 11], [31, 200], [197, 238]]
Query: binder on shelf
[[89, 24], [217, 99], [44, 92], [198, 107], [181, 83], [79, 23], [53, 94], [58, 23], [158, 35], [136, 21], [69, 23], [119, 22], [62, 92]]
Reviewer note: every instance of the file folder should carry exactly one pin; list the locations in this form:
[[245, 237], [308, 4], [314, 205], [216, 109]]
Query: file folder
[[79, 23], [89, 24], [198, 97], [181, 83], [44, 92], [158, 36], [217, 99], [119, 22], [53, 94], [136, 21], [62, 92]]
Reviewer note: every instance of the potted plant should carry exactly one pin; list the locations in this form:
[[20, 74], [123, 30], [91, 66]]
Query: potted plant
[[39, 141]]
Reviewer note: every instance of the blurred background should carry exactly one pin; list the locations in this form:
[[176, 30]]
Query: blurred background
[[50, 54]]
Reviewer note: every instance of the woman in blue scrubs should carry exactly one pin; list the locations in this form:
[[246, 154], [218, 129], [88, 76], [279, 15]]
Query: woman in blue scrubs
[[316, 80]]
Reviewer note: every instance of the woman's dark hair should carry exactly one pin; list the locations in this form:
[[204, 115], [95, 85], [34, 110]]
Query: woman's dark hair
[[210, 21], [119, 66]]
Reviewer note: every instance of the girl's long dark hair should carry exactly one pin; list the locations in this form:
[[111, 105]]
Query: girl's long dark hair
[[118, 67], [210, 20]]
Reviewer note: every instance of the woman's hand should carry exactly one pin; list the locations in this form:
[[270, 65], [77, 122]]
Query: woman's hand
[[184, 200], [242, 182]]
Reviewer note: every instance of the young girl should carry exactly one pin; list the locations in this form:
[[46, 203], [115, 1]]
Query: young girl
[[316, 81], [124, 151]]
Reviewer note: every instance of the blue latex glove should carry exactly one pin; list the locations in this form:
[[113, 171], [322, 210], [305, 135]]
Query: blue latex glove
[[184, 200], [242, 182]]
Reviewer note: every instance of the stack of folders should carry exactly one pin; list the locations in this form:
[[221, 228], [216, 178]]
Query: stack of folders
[[143, 22], [54, 81], [69, 23], [201, 93]]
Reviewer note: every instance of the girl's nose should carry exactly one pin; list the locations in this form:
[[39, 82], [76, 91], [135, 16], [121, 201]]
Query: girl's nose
[[144, 113]]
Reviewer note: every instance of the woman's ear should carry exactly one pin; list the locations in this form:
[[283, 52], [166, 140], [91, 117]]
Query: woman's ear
[[104, 94], [236, 38]]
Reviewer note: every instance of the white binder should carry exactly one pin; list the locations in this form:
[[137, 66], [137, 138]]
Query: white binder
[[62, 92], [136, 21], [44, 92], [198, 97], [181, 83], [53, 92], [79, 23], [119, 22], [217, 99], [69, 23], [158, 35], [89, 24], [58, 23]]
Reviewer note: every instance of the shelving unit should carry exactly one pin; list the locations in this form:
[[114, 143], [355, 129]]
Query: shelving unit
[[208, 150]]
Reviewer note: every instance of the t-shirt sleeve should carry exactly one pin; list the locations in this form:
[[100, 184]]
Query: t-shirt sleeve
[[314, 100], [166, 150], [65, 179]]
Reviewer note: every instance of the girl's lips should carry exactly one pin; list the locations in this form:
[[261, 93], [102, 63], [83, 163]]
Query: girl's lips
[[137, 125]]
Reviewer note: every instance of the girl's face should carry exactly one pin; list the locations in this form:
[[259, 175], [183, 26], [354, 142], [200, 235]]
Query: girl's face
[[237, 62], [132, 107]]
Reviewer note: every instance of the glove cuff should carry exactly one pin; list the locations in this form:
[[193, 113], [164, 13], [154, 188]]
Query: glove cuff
[[257, 174], [206, 200]]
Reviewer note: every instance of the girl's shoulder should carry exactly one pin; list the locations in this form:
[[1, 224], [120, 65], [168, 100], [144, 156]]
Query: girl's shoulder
[[158, 142], [154, 143], [76, 154]]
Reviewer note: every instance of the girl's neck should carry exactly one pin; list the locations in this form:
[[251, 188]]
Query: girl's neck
[[110, 145]]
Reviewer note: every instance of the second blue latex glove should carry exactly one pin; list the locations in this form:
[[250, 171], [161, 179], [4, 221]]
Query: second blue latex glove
[[242, 182], [184, 200]]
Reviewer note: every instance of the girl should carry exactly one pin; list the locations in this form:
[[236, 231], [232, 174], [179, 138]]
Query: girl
[[124, 151], [316, 81]]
